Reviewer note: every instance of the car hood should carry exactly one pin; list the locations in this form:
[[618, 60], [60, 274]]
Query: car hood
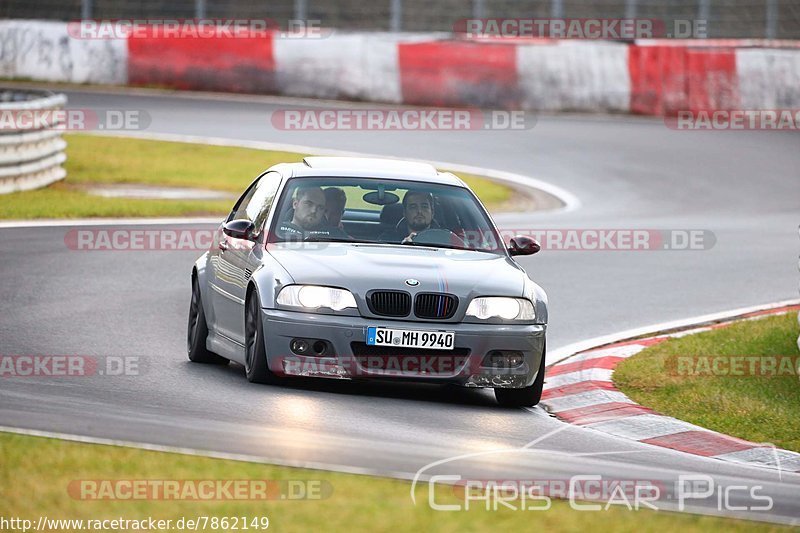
[[362, 267]]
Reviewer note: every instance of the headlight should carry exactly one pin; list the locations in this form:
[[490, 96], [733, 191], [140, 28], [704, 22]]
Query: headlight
[[500, 307], [314, 297]]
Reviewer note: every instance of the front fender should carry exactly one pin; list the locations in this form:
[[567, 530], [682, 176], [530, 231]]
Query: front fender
[[538, 296], [268, 279]]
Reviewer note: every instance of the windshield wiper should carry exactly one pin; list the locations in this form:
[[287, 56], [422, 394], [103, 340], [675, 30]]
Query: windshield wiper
[[325, 238], [429, 245]]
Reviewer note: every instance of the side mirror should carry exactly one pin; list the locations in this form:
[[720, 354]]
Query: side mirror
[[521, 245], [239, 229]]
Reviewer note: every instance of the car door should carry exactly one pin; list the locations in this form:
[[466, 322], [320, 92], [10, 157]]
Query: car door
[[226, 275], [243, 256]]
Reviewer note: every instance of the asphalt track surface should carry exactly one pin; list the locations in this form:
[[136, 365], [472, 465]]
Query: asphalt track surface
[[627, 172]]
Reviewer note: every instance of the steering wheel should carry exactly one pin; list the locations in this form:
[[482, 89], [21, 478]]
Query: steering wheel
[[434, 236]]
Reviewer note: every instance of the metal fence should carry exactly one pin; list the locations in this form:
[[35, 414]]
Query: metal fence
[[725, 18], [32, 151]]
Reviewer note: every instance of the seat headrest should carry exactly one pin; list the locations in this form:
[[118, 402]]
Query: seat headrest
[[391, 214]]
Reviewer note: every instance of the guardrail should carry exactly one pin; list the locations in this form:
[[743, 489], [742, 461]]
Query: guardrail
[[30, 157]]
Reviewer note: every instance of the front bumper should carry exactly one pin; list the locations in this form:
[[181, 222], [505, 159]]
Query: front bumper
[[350, 358]]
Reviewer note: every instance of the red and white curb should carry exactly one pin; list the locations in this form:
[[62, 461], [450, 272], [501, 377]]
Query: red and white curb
[[579, 390]]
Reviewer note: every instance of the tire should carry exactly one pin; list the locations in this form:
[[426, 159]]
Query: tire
[[198, 332], [255, 360], [526, 396]]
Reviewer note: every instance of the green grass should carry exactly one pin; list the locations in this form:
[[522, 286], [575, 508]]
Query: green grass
[[93, 160], [62, 201], [756, 408], [35, 473]]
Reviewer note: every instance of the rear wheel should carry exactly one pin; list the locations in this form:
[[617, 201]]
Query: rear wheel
[[198, 331], [255, 361], [526, 396]]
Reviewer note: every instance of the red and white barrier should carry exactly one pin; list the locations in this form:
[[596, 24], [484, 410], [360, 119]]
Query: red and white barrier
[[457, 73], [361, 66], [575, 75], [768, 78], [236, 64], [645, 77], [45, 51]]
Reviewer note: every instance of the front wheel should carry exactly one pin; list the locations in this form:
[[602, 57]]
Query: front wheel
[[526, 396], [255, 362], [198, 332]]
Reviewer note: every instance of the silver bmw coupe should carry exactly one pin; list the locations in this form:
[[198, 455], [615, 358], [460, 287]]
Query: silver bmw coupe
[[358, 268]]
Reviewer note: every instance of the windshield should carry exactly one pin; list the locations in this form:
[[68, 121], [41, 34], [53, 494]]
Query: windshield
[[379, 211]]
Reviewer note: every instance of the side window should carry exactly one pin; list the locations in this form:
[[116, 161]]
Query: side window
[[259, 205], [239, 210]]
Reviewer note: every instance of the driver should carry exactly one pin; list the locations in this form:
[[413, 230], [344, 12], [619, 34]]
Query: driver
[[309, 219], [417, 217]]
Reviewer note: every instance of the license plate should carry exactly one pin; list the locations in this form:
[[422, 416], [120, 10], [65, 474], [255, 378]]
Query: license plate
[[406, 338]]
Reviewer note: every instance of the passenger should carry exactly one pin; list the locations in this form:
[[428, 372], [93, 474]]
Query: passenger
[[335, 200], [308, 219]]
